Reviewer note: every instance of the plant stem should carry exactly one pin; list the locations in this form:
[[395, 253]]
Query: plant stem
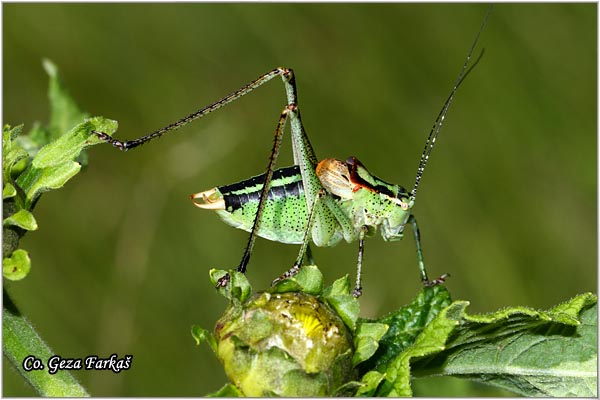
[[21, 340]]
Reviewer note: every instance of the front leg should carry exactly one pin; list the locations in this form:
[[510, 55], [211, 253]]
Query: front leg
[[357, 292], [426, 282]]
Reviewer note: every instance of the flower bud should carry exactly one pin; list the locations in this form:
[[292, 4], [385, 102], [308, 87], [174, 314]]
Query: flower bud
[[284, 344]]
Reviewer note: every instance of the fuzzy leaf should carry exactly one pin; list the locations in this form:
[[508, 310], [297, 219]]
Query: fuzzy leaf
[[53, 165], [8, 191], [201, 335], [532, 353], [37, 138], [541, 353], [12, 152], [238, 288], [36, 163], [339, 298], [405, 324], [23, 219], [431, 340], [366, 340], [228, 390], [64, 112], [347, 308], [341, 286], [308, 280], [369, 383], [17, 266]]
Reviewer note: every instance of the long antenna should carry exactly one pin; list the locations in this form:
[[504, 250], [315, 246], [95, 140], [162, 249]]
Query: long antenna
[[437, 125]]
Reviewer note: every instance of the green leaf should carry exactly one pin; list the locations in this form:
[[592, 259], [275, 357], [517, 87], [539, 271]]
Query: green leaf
[[8, 191], [23, 219], [12, 152], [366, 340], [228, 390], [309, 279], [238, 288], [17, 266], [13, 133], [28, 169], [405, 324], [369, 384], [345, 305], [37, 138], [348, 389], [64, 112], [53, 165], [201, 335], [431, 340], [340, 287], [37, 181], [542, 353], [532, 353], [20, 340], [31, 165]]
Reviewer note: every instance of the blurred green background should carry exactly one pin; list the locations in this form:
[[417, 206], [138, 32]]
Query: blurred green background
[[121, 258]]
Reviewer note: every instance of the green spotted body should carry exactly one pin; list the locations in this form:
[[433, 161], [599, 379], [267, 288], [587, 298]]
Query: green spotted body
[[285, 213], [359, 199]]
